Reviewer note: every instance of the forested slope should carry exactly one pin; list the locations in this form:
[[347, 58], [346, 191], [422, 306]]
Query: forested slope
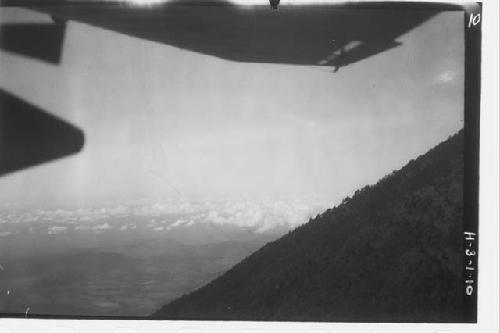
[[392, 252]]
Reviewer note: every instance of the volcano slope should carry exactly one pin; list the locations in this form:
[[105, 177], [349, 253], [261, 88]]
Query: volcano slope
[[391, 253]]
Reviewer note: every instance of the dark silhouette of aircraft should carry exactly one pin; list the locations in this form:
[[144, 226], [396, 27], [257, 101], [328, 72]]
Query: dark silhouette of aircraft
[[274, 3], [30, 136], [41, 41], [296, 34]]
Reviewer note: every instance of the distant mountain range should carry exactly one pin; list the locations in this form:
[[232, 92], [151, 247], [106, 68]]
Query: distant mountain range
[[128, 258], [127, 278], [391, 253]]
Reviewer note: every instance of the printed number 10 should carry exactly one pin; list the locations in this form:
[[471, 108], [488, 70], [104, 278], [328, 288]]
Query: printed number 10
[[474, 19]]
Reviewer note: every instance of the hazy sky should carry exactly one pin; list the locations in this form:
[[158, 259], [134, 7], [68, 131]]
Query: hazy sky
[[161, 121]]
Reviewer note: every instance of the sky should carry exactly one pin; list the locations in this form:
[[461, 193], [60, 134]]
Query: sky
[[160, 121]]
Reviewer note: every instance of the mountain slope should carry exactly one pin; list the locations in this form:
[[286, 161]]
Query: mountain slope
[[392, 252]]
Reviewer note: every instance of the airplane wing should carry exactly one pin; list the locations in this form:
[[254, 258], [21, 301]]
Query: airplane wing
[[30, 136], [42, 40], [297, 35]]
